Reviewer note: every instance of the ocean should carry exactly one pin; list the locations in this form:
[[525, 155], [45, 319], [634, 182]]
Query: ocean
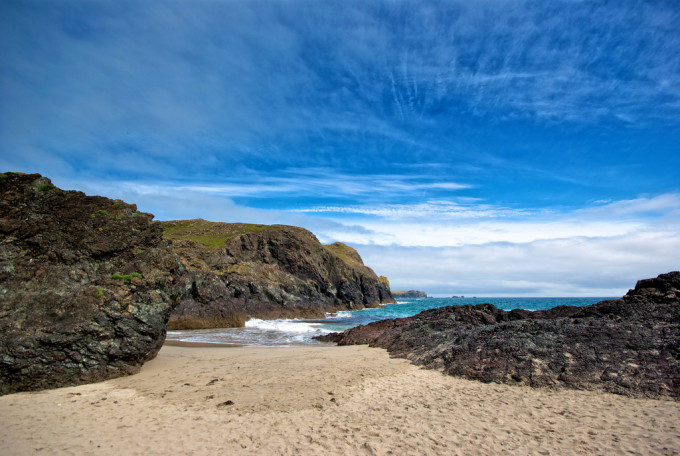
[[292, 332]]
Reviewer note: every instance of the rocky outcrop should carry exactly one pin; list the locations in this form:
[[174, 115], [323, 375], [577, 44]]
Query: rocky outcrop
[[86, 286], [240, 270], [628, 346], [410, 294]]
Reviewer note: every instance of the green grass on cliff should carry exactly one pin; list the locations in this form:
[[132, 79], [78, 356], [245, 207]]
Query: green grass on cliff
[[212, 235], [345, 253]]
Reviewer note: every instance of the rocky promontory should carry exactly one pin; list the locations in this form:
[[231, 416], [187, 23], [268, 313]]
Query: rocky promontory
[[628, 346], [410, 294], [238, 270], [86, 286]]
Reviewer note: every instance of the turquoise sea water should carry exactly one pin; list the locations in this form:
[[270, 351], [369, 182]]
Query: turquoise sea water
[[281, 333]]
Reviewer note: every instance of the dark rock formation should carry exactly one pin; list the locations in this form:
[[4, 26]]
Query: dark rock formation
[[410, 294], [628, 346], [239, 271], [86, 286]]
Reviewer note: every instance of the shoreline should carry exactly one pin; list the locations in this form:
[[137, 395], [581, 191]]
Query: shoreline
[[187, 344], [290, 332], [324, 400]]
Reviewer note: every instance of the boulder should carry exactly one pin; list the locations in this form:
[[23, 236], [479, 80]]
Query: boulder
[[87, 285]]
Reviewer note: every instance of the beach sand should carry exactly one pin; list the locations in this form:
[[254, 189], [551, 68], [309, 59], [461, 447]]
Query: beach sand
[[319, 401]]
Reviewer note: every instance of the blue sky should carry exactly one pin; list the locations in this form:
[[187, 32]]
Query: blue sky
[[493, 147]]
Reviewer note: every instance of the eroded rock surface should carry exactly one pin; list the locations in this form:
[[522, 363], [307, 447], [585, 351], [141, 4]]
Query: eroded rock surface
[[266, 271], [628, 346], [86, 286]]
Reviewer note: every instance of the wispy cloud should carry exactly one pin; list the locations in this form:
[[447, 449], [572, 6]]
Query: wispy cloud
[[193, 90], [667, 204], [450, 224], [313, 182], [441, 210]]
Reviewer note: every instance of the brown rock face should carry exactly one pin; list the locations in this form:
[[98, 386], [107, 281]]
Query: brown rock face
[[86, 286], [239, 271], [628, 346]]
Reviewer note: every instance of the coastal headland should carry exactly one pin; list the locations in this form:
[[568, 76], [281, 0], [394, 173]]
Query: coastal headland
[[237, 271]]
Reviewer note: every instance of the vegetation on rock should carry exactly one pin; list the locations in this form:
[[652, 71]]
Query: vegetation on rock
[[208, 234], [127, 277]]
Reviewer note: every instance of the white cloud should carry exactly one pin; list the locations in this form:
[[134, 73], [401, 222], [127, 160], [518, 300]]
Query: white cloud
[[574, 266], [296, 182], [438, 234], [443, 210], [446, 223], [666, 204]]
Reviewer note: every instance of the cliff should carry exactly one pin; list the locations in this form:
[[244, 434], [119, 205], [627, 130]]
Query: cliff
[[408, 294], [628, 346], [241, 270], [86, 286]]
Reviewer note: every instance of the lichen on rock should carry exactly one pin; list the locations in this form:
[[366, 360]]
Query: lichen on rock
[[65, 317]]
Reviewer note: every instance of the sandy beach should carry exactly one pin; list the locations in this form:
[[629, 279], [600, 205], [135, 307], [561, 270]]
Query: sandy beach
[[323, 400]]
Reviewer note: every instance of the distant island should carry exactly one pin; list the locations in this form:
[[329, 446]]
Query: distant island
[[408, 294]]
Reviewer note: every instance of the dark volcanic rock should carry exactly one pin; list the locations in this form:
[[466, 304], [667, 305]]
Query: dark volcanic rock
[[239, 271], [86, 286], [628, 346]]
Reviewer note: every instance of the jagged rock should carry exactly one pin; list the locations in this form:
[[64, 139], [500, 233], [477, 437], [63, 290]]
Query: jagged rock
[[239, 270], [86, 286], [628, 346]]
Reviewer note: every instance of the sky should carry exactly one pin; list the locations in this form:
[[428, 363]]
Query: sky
[[488, 148]]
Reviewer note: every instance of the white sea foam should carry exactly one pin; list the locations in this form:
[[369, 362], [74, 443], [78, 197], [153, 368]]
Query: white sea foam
[[256, 333], [291, 326], [338, 315]]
